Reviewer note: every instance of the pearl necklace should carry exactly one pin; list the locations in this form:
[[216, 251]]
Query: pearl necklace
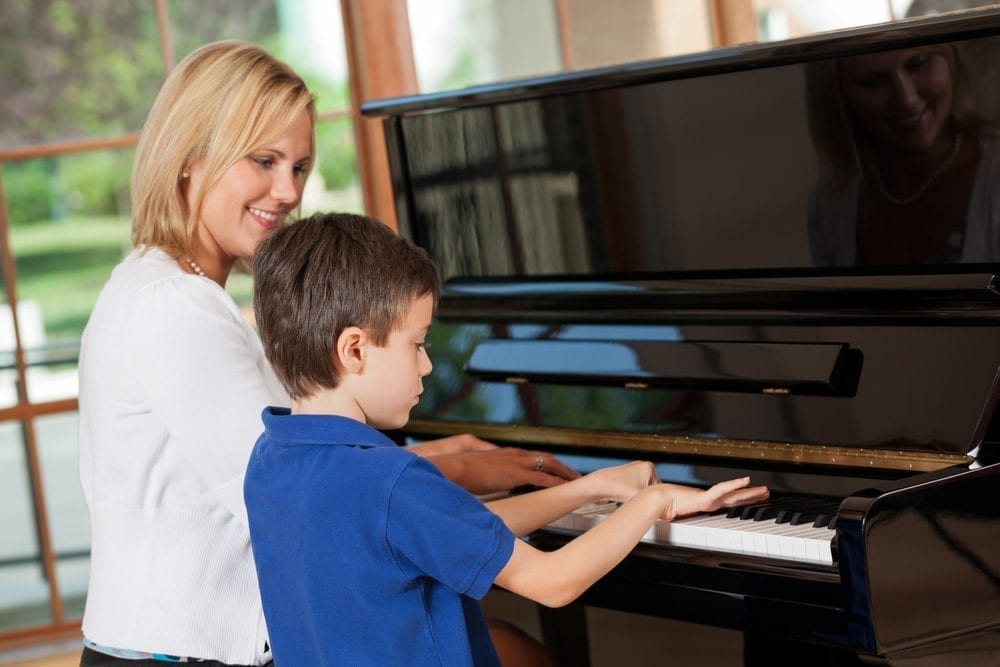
[[194, 266], [904, 201]]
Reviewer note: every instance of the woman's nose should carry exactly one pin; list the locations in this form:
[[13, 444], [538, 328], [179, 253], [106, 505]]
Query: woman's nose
[[904, 91], [286, 187]]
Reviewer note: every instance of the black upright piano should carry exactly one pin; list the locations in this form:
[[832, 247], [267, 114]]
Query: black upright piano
[[665, 260]]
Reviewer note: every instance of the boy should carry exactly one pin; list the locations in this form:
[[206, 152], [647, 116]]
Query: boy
[[365, 553]]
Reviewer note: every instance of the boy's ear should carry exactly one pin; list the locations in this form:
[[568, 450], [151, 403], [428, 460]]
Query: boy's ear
[[349, 350]]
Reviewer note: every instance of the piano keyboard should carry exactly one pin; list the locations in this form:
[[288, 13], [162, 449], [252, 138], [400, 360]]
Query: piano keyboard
[[799, 529]]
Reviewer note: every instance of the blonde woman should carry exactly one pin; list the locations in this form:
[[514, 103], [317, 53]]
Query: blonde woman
[[909, 167], [173, 380]]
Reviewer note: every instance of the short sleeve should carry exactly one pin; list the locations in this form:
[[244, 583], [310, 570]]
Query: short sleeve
[[439, 529]]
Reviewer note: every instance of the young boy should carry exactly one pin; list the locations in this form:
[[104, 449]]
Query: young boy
[[365, 553]]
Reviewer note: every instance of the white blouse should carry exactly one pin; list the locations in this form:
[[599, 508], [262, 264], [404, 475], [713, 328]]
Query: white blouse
[[172, 384]]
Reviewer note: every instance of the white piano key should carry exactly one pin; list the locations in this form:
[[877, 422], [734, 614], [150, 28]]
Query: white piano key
[[717, 532]]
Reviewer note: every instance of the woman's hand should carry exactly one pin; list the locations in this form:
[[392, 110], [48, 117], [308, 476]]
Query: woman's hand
[[455, 444], [492, 469]]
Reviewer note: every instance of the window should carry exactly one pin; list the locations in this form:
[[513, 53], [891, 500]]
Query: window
[[80, 77]]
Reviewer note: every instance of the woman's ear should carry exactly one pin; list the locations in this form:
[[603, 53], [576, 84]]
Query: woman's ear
[[349, 350]]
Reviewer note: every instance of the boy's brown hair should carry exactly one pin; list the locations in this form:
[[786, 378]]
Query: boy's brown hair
[[318, 276]]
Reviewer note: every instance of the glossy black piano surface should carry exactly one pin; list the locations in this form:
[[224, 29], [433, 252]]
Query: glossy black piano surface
[[630, 274]]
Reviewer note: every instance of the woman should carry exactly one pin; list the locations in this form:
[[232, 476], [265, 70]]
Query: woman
[[172, 379], [909, 170]]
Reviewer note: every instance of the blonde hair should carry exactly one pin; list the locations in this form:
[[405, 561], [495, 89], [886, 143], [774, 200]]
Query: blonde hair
[[843, 148], [222, 102]]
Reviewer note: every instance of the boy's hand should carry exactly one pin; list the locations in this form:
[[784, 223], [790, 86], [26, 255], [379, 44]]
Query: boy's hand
[[685, 500], [619, 483]]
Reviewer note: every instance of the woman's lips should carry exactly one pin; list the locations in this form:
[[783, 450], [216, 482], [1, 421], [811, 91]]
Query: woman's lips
[[265, 219]]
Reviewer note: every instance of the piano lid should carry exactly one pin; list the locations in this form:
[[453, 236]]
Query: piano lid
[[714, 162], [674, 251]]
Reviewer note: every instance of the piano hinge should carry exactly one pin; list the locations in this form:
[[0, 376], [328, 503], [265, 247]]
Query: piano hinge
[[776, 390]]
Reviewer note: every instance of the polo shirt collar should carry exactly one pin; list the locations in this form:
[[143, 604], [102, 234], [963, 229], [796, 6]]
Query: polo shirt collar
[[284, 427]]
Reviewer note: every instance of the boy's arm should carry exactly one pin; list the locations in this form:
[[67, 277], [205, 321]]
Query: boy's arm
[[557, 578], [530, 511]]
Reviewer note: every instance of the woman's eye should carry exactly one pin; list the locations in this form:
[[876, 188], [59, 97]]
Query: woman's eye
[[299, 169], [265, 162], [917, 61]]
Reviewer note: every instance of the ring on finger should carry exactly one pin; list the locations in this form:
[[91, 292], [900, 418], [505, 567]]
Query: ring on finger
[[539, 463]]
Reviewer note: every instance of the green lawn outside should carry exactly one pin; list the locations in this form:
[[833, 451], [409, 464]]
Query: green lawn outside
[[63, 265]]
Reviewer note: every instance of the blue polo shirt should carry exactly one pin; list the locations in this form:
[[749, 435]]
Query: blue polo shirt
[[365, 553]]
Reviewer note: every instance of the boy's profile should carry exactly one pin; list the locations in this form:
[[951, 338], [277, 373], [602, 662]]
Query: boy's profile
[[365, 553]]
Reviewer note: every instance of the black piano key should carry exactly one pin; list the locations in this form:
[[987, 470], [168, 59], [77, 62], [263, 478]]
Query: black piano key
[[795, 513], [810, 515], [776, 505], [767, 513], [769, 508], [826, 515], [748, 511], [803, 516]]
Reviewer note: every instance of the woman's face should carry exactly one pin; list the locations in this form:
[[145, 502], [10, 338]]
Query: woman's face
[[252, 197], [902, 99]]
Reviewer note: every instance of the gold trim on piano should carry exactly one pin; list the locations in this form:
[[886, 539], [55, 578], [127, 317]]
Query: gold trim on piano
[[649, 443]]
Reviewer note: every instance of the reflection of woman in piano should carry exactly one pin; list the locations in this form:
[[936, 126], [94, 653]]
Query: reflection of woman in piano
[[909, 174]]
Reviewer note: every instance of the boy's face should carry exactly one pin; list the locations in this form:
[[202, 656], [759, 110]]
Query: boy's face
[[392, 377]]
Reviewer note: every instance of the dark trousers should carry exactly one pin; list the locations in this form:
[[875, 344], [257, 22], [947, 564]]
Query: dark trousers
[[91, 658]]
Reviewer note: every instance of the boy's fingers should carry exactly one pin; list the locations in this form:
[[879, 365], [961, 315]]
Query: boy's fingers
[[722, 488], [742, 496]]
